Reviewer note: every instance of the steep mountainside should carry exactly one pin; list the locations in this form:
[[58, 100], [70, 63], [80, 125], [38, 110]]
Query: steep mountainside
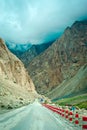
[[32, 52], [74, 86], [15, 83], [62, 60]]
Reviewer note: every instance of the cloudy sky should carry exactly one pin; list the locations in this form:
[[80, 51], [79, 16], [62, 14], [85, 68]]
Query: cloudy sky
[[38, 21]]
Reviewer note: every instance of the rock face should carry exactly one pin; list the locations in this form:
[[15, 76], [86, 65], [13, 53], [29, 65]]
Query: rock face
[[74, 86], [14, 80], [62, 60], [12, 68]]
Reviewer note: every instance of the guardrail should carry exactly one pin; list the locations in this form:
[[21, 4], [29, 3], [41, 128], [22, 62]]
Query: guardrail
[[69, 115]]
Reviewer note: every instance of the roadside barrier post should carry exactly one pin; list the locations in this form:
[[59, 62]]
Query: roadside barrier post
[[66, 114], [76, 119], [63, 113], [70, 116], [60, 111], [84, 125]]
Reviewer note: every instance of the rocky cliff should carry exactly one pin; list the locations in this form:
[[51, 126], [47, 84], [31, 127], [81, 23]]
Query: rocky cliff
[[77, 85], [15, 83], [62, 60]]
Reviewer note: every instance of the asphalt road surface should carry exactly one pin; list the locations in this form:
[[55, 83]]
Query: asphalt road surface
[[33, 117]]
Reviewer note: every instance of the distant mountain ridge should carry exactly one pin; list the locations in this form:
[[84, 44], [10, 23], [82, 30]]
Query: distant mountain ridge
[[34, 51], [17, 49], [61, 61], [27, 52]]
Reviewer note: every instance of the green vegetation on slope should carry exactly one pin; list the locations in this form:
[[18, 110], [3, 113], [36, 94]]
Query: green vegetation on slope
[[80, 101]]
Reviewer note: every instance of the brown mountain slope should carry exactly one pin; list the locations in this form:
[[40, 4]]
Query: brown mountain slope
[[75, 86], [62, 60], [16, 87]]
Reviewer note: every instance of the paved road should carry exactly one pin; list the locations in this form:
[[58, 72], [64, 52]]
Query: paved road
[[33, 117]]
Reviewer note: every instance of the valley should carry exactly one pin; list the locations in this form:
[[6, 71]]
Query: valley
[[43, 65], [60, 71], [56, 76]]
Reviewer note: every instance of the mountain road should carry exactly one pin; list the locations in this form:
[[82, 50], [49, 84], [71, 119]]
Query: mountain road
[[33, 117]]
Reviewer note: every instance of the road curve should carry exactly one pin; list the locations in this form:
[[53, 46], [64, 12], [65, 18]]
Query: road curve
[[33, 117]]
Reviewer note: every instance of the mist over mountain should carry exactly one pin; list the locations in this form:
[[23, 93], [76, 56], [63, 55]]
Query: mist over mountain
[[17, 49]]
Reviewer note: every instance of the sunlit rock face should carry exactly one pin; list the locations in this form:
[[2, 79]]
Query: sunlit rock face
[[15, 83], [62, 60], [12, 68]]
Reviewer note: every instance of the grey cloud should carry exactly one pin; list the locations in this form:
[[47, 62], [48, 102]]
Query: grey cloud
[[23, 21]]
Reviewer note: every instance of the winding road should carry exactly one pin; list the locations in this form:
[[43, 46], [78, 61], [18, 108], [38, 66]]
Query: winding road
[[33, 117]]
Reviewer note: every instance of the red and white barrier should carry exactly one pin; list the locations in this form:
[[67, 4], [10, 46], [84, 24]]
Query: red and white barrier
[[66, 114], [60, 111], [77, 119], [84, 126], [63, 111], [70, 116]]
